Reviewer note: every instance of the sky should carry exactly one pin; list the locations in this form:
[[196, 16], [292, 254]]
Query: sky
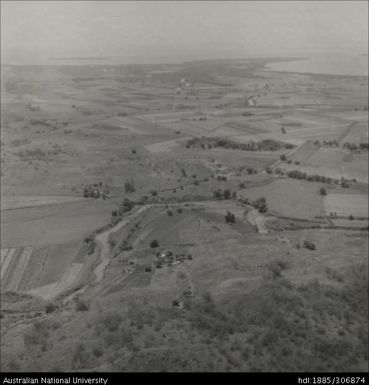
[[44, 32]]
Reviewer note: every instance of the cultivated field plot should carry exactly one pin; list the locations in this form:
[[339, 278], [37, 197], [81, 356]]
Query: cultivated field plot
[[358, 133], [50, 225], [24, 268], [16, 202], [326, 158], [289, 198], [357, 167], [330, 162], [347, 204]]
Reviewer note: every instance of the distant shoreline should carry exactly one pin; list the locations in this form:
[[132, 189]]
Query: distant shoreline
[[257, 64]]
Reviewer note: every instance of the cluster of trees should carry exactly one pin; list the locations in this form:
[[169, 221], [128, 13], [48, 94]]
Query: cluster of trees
[[264, 145], [39, 154], [97, 190], [326, 143], [297, 174], [309, 245], [90, 243], [355, 147], [221, 178], [260, 204], [126, 206], [225, 194]]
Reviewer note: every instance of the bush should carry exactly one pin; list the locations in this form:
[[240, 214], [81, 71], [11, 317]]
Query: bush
[[309, 245], [129, 186], [323, 191], [111, 321], [179, 210], [37, 335], [283, 157], [154, 243], [50, 307], [230, 218], [81, 305], [226, 194], [170, 213]]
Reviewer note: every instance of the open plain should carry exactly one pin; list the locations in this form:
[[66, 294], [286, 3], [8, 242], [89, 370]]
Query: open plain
[[206, 216]]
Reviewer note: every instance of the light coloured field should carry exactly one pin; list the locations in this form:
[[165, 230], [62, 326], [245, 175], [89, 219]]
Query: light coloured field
[[357, 134], [20, 269], [28, 268], [15, 202], [358, 167], [275, 136], [8, 255], [289, 197], [347, 204], [48, 225], [165, 146], [326, 158]]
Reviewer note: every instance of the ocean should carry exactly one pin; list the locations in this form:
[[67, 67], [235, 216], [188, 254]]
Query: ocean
[[333, 64]]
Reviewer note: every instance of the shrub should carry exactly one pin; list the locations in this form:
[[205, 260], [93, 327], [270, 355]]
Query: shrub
[[226, 194], [230, 218], [81, 305], [50, 307], [37, 335], [179, 210], [129, 186], [323, 191], [154, 243], [309, 245], [283, 157], [170, 213], [111, 321], [80, 356], [97, 352]]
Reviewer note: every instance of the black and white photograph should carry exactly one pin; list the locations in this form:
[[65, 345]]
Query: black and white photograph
[[184, 188]]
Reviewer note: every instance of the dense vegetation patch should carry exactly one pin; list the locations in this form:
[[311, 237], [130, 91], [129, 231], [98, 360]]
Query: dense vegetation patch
[[216, 142]]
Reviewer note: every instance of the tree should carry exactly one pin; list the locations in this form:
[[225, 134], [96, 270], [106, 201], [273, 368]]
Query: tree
[[283, 157], [129, 186], [217, 194], [230, 218], [227, 194], [323, 191]]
